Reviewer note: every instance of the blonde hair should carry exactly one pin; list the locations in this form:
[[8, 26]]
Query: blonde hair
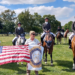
[[31, 32]]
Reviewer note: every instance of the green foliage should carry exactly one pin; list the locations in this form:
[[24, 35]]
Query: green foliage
[[68, 26]]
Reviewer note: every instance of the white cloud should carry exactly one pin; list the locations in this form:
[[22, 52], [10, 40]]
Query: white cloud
[[25, 1], [2, 8], [63, 22], [43, 10], [69, 0], [73, 5]]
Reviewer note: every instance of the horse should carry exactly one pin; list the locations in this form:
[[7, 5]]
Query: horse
[[58, 36], [20, 41], [49, 48], [65, 35], [73, 49]]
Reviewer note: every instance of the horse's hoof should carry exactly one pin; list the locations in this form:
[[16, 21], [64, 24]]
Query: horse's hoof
[[17, 63], [45, 62], [51, 64]]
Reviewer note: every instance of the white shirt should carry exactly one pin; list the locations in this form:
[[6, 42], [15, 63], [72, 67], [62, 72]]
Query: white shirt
[[32, 42]]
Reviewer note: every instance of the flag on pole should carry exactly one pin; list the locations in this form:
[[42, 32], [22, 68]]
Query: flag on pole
[[10, 54]]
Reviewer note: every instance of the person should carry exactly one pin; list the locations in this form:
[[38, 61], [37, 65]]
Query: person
[[58, 30], [32, 41], [18, 31], [46, 29], [72, 34], [62, 32]]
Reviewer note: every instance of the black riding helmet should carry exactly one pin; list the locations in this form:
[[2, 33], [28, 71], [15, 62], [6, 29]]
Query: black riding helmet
[[19, 23], [46, 18]]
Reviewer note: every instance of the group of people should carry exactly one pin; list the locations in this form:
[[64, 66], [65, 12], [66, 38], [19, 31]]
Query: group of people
[[46, 29]]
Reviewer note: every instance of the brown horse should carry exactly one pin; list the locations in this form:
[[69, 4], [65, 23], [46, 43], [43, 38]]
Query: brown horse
[[65, 35], [73, 49], [58, 36], [49, 49]]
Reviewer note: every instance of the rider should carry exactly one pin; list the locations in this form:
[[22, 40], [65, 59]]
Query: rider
[[18, 31], [62, 31], [58, 30], [72, 35], [46, 29]]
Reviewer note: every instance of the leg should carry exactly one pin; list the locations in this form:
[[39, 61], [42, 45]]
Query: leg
[[42, 37], [51, 60], [36, 72], [46, 57], [69, 43], [74, 63], [14, 40], [28, 71], [21, 63]]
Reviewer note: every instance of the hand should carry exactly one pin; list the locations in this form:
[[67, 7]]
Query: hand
[[40, 44], [48, 31], [27, 44]]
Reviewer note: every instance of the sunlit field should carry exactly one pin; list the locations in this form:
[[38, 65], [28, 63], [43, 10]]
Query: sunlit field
[[62, 60]]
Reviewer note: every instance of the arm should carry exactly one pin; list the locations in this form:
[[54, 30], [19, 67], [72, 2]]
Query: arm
[[16, 32], [44, 28]]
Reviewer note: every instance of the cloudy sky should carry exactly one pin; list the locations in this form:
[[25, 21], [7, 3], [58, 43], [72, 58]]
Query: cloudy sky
[[62, 9]]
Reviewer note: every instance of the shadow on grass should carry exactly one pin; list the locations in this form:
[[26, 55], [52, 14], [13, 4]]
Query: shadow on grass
[[15, 67], [67, 64], [45, 68]]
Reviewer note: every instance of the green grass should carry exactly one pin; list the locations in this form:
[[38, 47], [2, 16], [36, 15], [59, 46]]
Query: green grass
[[62, 60]]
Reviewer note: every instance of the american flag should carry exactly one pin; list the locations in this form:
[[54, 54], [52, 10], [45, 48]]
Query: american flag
[[9, 54]]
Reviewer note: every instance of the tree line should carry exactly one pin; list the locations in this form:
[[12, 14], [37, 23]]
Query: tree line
[[9, 20]]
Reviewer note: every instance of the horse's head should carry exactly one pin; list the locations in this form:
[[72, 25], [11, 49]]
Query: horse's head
[[59, 35], [67, 31], [48, 40], [20, 40]]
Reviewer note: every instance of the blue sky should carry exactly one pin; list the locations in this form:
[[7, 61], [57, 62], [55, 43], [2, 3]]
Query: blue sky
[[62, 9]]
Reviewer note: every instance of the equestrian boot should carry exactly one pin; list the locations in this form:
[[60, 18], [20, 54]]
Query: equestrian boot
[[54, 40], [42, 40], [13, 42], [69, 43]]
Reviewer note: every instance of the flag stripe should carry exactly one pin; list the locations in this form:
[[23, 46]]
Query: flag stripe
[[9, 54]]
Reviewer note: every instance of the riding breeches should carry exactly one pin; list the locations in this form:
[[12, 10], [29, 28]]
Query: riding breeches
[[71, 36], [46, 33], [14, 38]]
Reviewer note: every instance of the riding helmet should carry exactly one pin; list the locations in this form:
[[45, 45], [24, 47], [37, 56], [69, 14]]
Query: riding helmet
[[19, 23], [46, 18]]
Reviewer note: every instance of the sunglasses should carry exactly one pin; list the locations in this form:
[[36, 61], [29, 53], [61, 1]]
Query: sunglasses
[[33, 34]]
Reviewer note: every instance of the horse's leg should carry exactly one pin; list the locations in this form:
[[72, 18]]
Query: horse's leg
[[51, 59], [17, 63], [57, 41], [21, 63], [74, 63], [46, 56]]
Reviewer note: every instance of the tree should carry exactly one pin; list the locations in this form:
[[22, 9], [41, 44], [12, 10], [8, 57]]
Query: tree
[[8, 17], [68, 26], [24, 18]]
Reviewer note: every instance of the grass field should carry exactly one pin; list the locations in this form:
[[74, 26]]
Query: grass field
[[62, 60]]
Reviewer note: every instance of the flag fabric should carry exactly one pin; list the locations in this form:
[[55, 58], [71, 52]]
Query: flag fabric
[[36, 53], [10, 54]]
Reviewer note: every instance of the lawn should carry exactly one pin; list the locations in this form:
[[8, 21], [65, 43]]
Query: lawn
[[62, 60]]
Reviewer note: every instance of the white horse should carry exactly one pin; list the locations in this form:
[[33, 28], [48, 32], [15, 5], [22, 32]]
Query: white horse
[[20, 41]]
